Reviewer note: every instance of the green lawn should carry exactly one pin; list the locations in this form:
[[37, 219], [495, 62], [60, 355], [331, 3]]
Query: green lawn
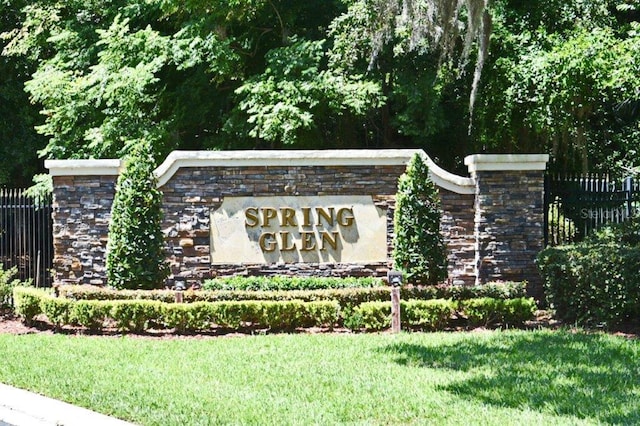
[[492, 378]]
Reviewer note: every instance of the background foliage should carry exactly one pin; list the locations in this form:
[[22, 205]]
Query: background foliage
[[7, 283], [95, 78]]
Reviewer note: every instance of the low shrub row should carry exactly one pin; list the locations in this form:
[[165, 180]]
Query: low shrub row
[[436, 314], [487, 311], [495, 290], [501, 290], [7, 284], [265, 283], [595, 282], [140, 315], [346, 297]]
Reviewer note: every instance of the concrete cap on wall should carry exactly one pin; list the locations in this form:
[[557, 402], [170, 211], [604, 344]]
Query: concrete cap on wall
[[506, 162], [83, 167], [346, 157]]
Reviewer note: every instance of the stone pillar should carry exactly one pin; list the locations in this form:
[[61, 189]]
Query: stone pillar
[[509, 217], [83, 191], [457, 226]]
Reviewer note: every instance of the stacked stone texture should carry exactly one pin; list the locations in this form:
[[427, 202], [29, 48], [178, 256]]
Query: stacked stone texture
[[193, 192], [509, 235], [457, 226], [81, 212], [509, 226]]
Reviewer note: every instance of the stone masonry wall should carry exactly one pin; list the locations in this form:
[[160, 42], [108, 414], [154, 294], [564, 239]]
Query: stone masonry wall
[[82, 206], [494, 234], [509, 226], [457, 226], [81, 212], [192, 192]]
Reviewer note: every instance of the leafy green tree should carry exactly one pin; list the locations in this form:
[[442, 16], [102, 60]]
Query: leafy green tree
[[135, 258], [419, 248], [111, 75], [563, 79], [236, 74], [295, 100], [19, 142]]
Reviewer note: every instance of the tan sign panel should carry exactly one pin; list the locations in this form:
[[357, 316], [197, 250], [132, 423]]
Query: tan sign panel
[[294, 229]]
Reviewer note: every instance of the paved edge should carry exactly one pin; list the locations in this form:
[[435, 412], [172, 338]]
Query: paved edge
[[19, 407]]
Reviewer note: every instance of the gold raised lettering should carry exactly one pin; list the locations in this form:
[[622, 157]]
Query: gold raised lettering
[[268, 213], [306, 216], [330, 238], [287, 244], [251, 217], [307, 241], [268, 241], [327, 215], [287, 217], [345, 217]]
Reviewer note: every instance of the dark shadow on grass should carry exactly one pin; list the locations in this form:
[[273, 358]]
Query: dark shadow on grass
[[590, 376]]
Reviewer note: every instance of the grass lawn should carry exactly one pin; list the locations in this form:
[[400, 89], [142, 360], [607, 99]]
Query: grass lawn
[[489, 378]]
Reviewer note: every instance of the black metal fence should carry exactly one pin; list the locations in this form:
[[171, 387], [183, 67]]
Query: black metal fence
[[577, 205], [26, 236]]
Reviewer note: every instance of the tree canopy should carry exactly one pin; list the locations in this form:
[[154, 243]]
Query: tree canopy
[[92, 79]]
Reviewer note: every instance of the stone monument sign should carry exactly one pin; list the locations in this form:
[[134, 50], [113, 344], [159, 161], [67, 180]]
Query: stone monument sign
[[323, 212], [293, 229]]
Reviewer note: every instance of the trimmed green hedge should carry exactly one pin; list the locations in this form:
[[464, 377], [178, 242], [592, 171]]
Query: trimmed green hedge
[[26, 302], [488, 311], [346, 297], [500, 290], [264, 283], [436, 314], [417, 314], [141, 315], [283, 314]]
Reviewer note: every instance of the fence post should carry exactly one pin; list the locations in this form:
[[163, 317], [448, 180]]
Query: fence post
[[395, 309], [628, 188], [395, 280], [546, 203]]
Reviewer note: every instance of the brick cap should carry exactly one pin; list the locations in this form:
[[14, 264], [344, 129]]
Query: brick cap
[[83, 167], [506, 162]]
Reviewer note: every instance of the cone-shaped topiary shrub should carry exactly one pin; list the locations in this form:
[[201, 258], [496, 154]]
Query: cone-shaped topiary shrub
[[419, 249], [135, 258]]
